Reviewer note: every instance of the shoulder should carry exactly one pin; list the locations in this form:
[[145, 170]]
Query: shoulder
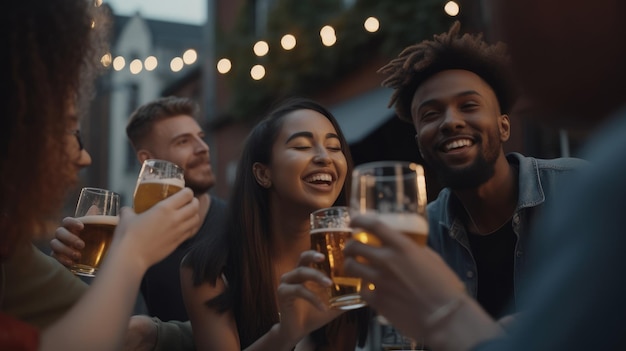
[[556, 164]]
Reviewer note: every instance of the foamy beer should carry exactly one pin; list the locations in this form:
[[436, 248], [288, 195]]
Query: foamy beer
[[158, 179], [396, 193], [330, 230], [98, 210]]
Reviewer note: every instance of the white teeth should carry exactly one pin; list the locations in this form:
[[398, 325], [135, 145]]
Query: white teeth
[[325, 177], [457, 144]]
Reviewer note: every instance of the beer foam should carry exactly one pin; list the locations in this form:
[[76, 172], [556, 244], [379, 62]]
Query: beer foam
[[169, 181], [404, 222], [91, 219]]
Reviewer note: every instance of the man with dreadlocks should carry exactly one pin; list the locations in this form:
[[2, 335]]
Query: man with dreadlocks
[[457, 92]]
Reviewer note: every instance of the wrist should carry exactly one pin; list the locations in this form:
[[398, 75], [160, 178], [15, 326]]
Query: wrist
[[282, 341], [460, 324]]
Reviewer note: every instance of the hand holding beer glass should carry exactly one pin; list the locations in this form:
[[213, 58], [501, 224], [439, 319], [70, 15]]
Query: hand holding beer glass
[[158, 179], [330, 230], [98, 210]]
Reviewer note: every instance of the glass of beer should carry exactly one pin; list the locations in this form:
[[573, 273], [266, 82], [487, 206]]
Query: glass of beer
[[396, 192], [98, 210], [330, 230], [158, 179]]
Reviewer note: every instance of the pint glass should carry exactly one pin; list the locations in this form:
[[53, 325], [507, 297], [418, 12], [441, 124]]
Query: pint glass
[[330, 230], [396, 192], [98, 210], [157, 180]]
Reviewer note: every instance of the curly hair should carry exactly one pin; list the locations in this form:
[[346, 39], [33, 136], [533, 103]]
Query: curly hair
[[50, 57], [419, 62]]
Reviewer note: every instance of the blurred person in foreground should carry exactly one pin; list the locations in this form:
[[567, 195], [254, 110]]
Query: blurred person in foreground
[[45, 95], [575, 292], [167, 129], [457, 91]]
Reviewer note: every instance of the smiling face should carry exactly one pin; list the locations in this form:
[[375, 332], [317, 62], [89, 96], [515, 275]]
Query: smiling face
[[180, 140], [460, 129], [308, 167]]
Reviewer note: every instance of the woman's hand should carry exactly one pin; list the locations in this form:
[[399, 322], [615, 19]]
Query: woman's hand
[[154, 234], [303, 299]]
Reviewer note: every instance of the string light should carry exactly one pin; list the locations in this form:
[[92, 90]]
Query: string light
[[261, 48], [177, 64], [150, 63], [288, 42], [136, 66], [224, 66], [327, 33], [451, 8], [371, 24], [257, 72], [106, 59], [119, 63], [190, 56]]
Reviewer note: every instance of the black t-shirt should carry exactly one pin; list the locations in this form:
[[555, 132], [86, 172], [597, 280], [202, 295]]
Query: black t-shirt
[[495, 258], [160, 286]]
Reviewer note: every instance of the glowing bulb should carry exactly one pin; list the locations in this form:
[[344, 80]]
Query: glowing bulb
[[261, 48], [106, 59], [288, 42], [190, 56], [119, 63], [257, 72], [371, 24], [224, 65], [150, 63], [451, 8], [135, 66], [327, 33], [176, 64]]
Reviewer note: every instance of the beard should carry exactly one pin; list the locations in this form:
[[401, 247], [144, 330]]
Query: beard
[[477, 173], [199, 187]]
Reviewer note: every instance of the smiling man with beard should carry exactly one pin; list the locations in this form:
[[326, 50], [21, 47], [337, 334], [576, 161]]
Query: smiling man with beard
[[457, 91]]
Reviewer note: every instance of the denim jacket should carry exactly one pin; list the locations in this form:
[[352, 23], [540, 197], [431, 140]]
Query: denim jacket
[[447, 234]]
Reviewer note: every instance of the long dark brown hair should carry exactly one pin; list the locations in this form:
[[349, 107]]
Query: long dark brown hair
[[243, 252], [50, 52]]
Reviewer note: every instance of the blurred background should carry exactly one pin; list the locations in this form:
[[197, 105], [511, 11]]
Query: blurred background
[[239, 57]]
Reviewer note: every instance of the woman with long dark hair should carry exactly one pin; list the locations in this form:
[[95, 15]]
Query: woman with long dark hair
[[250, 287]]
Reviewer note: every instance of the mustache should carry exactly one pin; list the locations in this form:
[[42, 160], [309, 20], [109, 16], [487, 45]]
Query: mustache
[[199, 161]]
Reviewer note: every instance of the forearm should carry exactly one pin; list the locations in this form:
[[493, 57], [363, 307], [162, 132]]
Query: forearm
[[173, 335], [460, 325], [273, 340], [100, 319]]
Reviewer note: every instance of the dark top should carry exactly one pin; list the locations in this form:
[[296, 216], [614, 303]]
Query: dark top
[[160, 286], [494, 255]]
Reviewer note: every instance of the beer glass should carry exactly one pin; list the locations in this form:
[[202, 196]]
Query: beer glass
[[395, 191], [330, 230], [157, 180], [98, 210]]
